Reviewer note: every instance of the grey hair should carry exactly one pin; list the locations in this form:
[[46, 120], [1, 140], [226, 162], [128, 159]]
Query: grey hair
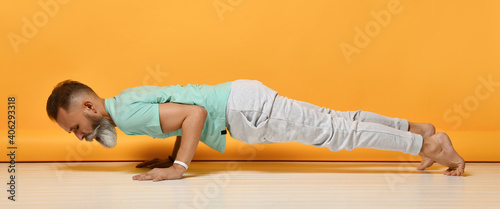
[[104, 133]]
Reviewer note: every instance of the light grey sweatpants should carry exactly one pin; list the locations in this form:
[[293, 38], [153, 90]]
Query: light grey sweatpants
[[256, 114]]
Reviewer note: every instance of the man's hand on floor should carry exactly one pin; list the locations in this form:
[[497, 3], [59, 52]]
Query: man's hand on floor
[[155, 163], [158, 174]]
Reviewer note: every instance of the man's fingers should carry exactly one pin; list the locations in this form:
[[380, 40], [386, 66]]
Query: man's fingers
[[136, 177], [159, 174], [144, 176], [147, 162]]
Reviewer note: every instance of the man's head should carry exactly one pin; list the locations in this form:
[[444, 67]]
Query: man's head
[[78, 109]]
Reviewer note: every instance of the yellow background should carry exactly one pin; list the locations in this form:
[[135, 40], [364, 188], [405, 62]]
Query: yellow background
[[427, 58]]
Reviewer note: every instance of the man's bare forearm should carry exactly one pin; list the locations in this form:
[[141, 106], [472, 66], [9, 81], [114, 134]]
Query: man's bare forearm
[[176, 146], [192, 126]]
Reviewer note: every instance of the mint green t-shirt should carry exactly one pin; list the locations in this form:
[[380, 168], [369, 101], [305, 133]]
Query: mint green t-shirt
[[135, 110]]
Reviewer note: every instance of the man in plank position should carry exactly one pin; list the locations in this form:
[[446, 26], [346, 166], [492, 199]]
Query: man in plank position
[[251, 112]]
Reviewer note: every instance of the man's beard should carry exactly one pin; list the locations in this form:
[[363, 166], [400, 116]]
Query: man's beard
[[104, 132]]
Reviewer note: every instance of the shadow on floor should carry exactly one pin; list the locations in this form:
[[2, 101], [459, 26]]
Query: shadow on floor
[[315, 167], [204, 168]]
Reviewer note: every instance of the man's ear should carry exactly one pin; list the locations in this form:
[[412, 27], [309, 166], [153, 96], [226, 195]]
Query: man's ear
[[89, 106]]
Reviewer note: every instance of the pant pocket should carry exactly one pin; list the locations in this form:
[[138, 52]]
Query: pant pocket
[[254, 119], [248, 126]]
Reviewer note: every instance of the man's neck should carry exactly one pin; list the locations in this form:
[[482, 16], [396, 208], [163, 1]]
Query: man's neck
[[104, 112]]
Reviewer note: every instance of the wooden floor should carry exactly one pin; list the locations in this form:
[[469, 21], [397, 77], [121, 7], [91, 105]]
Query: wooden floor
[[254, 185]]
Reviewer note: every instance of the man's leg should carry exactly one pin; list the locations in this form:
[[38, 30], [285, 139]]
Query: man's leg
[[292, 121], [256, 114], [359, 115], [289, 121], [424, 129]]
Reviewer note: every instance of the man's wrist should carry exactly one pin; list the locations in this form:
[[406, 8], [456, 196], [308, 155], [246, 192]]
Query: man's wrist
[[183, 164], [179, 168]]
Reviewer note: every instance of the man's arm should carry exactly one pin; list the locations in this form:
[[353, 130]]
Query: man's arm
[[162, 163], [176, 146], [173, 116]]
